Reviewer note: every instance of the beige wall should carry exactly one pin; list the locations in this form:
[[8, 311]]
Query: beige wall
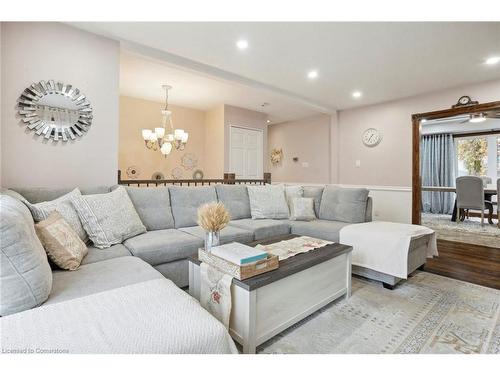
[[137, 114], [214, 142], [246, 118], [41, 51], [389, 164], [309, 140]]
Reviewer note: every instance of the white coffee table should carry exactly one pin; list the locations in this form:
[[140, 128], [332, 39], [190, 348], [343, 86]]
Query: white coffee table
[[267, 304]]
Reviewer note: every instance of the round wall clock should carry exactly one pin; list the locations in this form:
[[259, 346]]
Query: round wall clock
[[371, 137]]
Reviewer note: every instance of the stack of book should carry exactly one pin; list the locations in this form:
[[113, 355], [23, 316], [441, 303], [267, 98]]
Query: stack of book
[[238, 260]]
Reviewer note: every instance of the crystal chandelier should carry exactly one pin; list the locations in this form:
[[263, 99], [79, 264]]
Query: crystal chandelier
[[166, 137]]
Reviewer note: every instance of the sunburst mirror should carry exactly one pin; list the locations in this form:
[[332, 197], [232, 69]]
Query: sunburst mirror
[[55, 110]]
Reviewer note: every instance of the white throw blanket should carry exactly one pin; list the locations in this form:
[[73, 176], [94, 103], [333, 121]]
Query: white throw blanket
[[383, 246], [150, 317], [215, 293]]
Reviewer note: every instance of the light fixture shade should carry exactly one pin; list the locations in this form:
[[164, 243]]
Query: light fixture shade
[[152, 137], [185, 137], [160, 132], [146, 134], [169, 137], [166, 148], [178, 134], [476, 118]]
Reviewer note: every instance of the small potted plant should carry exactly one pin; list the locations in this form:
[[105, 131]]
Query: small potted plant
[[212, 217]]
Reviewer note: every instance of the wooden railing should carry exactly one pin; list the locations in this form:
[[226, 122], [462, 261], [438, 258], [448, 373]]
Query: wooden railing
[[229, 179]]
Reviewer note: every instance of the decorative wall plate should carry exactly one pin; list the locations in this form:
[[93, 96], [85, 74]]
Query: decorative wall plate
[[189, 161], [158, 176], [276, 156], [55, 110], [198, 174], [133, 172], [177, 173]]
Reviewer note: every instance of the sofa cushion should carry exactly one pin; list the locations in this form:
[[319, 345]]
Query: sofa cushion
[[314, 192], [322, 229], [235, 198], [153, 206], [95, 255], [292, 192], [63, 205], [228, 234], [99, 277], [302, 209], [166, 245], [61, 242], [343, 204], [108, 218], [36, 195], [263, 228], [185, 202], [268, 202], [25, 274]]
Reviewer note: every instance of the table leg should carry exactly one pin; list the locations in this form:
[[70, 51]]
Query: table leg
[[249, 339], [349, 275], [454, 214]]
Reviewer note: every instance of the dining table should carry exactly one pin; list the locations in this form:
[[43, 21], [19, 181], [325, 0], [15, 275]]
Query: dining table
[[489, 191]]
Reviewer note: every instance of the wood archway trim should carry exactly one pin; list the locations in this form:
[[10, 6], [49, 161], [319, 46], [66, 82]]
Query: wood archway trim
[[416, 121]]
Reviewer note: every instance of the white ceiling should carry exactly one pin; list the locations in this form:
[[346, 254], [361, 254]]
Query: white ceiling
[[458, 126], [385, 61], [142, 77]]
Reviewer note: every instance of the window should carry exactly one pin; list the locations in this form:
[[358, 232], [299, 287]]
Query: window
[[478, 156]]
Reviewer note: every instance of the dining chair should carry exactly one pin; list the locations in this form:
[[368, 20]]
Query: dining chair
[[470, 196]]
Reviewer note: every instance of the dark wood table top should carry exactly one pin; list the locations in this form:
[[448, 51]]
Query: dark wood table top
[[288, 266]]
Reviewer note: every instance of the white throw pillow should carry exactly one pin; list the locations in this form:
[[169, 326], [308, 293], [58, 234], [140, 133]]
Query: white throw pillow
[[63, 205], [302, 209], [268, 202], [108, 218], [292, 192]]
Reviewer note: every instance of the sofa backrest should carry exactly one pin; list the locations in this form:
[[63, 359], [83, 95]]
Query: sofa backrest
[[344, 204], [235, 198], [25, 274], [153, 206], [185, 202], [37, 195]]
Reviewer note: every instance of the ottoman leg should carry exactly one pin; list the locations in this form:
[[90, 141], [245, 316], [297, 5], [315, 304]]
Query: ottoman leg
[[388, 286]]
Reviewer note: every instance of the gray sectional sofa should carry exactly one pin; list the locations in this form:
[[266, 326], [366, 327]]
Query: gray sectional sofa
[[169, 215]]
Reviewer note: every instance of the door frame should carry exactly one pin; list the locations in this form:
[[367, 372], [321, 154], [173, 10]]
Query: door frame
[[416, 128], [231, 143]]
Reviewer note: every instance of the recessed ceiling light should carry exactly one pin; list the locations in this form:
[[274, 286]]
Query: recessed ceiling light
[[242, 44], [493, 60], [268, 121], [313, 74], [357, 94]]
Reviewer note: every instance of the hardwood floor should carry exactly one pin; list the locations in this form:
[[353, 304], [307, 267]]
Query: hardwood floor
[[473, 263]]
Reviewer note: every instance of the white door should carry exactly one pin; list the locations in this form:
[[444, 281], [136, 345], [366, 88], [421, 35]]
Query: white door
[[246, 153]]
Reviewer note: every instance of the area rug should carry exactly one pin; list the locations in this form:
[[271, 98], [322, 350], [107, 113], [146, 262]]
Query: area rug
[[468, 231], [425, 314]]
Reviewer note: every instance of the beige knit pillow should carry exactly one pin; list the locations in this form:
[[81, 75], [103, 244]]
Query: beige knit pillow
[[61, 242]]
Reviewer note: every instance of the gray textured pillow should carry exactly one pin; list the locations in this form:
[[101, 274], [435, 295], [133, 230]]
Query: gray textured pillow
[[314, 192], [268, 202], [292, 192], [185, 202], [343, 204], [153, 206], [64, 206], [302, 209], [108, 218], [25, 274], [235, 198]]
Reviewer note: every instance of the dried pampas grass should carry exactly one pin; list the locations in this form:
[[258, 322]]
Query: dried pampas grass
[[213, 217]]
